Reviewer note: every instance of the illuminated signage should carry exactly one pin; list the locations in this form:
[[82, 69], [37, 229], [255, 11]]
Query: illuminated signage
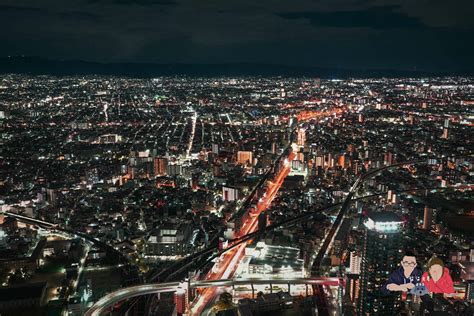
[[383, 226]]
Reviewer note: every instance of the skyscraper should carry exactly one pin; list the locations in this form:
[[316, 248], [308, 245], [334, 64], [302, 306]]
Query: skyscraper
[[160, 166], [301, 137], [244, 157], [380, 256], [427, 218]]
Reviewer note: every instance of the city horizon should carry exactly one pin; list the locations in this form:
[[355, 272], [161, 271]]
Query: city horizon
[[35, 65]]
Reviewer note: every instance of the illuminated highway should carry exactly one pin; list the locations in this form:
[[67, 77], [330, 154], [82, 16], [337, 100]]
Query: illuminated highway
[[102, 305], [130, 292], [225, 268]]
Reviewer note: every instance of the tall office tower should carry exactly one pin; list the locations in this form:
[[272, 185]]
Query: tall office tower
[[92, 176], [380, 256], [342, 161], [244, 157], [274, 148], [446, 123], [52, 196], [301, 137], [427, 218], [319, 161], [230, 193], [215, 149], [388, 158], [445, 129], [160, 166], [467, 275], [445, 133], [292, 121], [353, 287], [355, 261]]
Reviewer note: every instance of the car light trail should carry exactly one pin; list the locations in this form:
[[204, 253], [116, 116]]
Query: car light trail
[[226, 268]]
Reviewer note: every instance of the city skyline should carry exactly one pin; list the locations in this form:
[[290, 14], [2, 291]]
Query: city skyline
[[116, 188], [244, 158]]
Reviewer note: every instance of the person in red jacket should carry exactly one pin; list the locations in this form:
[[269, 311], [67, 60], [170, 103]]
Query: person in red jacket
[[437, 278]]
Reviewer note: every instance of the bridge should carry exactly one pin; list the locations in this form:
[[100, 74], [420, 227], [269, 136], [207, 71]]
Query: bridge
[[51, 226], [102, 305], [329, 240]]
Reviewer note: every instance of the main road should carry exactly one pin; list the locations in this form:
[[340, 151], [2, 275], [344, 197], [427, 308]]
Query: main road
[[226, 267], [102, 305]]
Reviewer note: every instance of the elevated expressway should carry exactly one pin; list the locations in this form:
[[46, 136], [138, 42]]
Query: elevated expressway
[[102, 305]]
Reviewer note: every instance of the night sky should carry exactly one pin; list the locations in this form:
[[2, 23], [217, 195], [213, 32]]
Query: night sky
[[425, 35]]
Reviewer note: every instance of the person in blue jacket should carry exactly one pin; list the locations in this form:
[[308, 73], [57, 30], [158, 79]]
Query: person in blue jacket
[[405, 277]]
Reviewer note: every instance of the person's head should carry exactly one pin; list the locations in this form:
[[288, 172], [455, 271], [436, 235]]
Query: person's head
[[435, 268], [408, 261]]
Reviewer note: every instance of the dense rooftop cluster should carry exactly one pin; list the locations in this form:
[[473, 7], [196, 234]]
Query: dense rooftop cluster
[[161, 168]]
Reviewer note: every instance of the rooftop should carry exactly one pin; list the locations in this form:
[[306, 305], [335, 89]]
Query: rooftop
[[22, 291], [382, 217]]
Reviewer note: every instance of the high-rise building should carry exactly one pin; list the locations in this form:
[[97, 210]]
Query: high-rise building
[[445, 129], [301, 137], [174, 169], [244, 157], [427, 218], [215, 148], [446, 123], [92, 176], [52, 196], [380, 256], [274, 148], [354, 264], [445, 133], [388, 158], [353, 286], [319, 161], [467, 275], [342, 161], [230, 193], [160, 166]]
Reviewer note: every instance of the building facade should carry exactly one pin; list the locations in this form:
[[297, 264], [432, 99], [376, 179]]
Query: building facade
[[380, 256]]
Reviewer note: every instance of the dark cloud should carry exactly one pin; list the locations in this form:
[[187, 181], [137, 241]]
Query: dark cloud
[[136, 2], [376, 18], [80, 16], [14, 9], [399, 34]]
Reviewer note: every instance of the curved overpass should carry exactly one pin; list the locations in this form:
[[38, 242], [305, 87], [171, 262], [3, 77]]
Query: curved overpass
[[51, 226], [110, 299], [345, 205], [130, 292]]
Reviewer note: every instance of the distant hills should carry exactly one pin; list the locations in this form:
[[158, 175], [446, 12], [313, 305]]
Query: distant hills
[[42, 66]]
